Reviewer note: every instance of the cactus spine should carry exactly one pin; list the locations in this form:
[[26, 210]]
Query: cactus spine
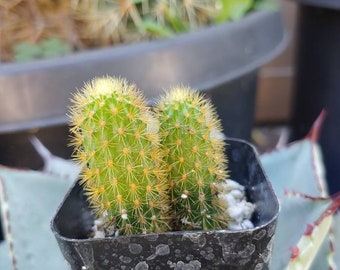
[[194, 146], [116, 138]]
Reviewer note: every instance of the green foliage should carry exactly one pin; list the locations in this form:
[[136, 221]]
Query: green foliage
[[45, 49], [194, 149], [54, 47], [265, 5], [155, 29], [116, 136], [233, 9], [25, 52]]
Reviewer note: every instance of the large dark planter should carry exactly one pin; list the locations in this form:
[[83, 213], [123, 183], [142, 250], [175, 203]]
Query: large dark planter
[[222, 60], [247, 249], [317, 84]]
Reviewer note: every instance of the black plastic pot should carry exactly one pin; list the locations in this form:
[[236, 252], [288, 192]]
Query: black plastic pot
[[317, 83], [246, 249], [219, 59]]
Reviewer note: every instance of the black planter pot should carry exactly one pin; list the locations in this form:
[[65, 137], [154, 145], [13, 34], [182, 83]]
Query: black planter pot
[[317, 84], [247, 249]]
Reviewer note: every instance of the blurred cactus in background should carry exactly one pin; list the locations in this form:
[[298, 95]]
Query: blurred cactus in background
[[85, 24]]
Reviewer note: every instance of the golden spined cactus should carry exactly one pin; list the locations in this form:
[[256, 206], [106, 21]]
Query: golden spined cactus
[[192, 139], [116, 138]]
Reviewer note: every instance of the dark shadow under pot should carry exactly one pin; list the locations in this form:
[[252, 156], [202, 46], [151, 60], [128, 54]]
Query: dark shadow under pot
[[222, 249]]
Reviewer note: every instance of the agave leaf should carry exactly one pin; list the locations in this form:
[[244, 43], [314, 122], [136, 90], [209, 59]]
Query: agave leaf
[[29, 241], [28, 201], [304, 223], [298, 217], [298, 167], [309, 245], [5, 261], [336, 239], [313, 238], [325, 257]]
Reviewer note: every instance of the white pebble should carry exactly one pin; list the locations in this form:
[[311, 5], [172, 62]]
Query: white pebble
[[99, 234], [247, 224], [99, 222]]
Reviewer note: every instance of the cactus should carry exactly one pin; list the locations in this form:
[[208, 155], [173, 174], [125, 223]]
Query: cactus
[[194, 148], [116, 139]]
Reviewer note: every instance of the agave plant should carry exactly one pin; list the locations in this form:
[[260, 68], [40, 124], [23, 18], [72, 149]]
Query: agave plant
[[305, 237]]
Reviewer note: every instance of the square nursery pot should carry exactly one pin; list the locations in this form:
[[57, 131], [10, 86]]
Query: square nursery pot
[[220, 249], [222, 60]]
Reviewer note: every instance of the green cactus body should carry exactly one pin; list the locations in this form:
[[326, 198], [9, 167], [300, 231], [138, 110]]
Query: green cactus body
[[194, 146], [116, 138]]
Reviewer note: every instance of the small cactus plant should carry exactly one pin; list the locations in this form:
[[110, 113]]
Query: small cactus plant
[[147, 171], [116, 139], [194, 148]]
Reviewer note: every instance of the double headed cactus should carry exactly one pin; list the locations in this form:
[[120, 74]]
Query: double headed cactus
[[116, 138], [194, 148], [141, 169]]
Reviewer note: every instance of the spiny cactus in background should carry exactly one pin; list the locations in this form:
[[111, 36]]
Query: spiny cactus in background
[[97, 23], [194, 148], [104, 22], [116, 138]]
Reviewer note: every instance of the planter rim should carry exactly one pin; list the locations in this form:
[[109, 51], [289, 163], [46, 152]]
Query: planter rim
[[191, 232], [135, 236]]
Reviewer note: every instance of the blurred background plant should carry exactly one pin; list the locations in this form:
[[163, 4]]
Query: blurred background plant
[[33, 29]]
